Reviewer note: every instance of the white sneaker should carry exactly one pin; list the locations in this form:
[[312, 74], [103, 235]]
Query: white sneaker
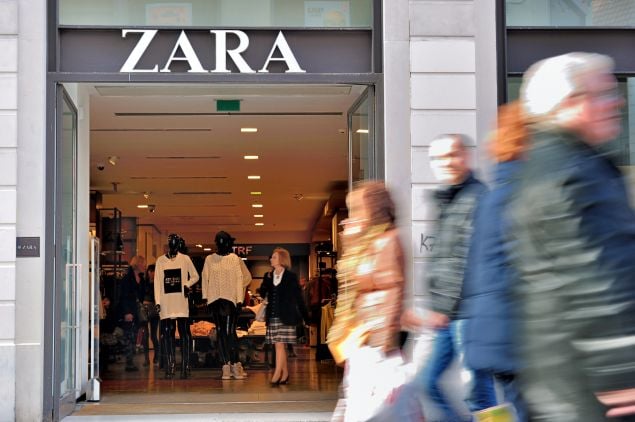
[[240, 369], [226, 372], [237, 372]]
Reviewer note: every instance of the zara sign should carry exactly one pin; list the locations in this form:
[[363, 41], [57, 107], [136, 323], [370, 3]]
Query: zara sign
[[210, 53], [183, 51]]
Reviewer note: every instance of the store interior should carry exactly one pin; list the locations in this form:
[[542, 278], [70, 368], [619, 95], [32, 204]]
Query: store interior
[[269, 164]]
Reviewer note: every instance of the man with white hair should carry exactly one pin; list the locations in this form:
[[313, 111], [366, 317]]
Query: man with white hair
[[572, 243]]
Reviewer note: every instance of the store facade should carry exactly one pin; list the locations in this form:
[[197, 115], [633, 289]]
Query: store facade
[[430, 67]]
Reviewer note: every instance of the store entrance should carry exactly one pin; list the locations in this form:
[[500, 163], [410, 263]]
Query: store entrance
[[269, 164]]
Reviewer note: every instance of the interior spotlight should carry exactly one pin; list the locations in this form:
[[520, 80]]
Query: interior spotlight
[[113, 160], [151, 208]]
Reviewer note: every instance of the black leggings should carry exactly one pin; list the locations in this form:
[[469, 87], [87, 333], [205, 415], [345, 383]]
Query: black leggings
[[168, 327], [224, 315]]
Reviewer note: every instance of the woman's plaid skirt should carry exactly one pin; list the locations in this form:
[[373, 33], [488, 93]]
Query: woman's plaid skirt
[[277, 332]]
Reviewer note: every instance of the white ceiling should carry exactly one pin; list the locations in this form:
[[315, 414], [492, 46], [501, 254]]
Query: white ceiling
[[171, 144]]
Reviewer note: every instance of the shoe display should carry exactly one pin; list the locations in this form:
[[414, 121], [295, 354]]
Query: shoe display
[[226, 372]]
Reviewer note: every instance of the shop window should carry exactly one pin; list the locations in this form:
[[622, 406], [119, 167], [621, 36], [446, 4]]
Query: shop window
[[218, 13], [623, 147], [570, 13]]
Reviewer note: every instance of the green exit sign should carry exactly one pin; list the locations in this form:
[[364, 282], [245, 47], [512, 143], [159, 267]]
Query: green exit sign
[[227, 105]]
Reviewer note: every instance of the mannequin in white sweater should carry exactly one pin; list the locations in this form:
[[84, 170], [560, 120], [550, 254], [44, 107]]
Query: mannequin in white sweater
[[174, 275], [225, 277]]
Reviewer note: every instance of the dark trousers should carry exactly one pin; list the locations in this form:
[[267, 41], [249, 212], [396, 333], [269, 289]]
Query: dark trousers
[[224, 313], [130, 333]]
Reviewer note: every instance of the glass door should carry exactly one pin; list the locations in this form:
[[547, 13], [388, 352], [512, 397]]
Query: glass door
[[361, 138], [67, 271]]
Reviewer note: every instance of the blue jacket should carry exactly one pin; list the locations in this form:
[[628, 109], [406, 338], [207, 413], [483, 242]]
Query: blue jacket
[[487, 301]]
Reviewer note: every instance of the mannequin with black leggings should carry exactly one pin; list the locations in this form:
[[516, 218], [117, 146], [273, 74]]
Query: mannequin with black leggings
[[224, 280], [174, 275]]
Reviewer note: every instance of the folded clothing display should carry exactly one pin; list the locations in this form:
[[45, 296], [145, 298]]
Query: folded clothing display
[[202, 328]]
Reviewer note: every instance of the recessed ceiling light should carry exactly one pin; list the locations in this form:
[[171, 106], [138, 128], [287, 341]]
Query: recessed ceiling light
[[256, 205], [113, 160], [142, 206], [361, 131], [255, 193], [258, 215], [199, 245], [249, 129], [253, 177], [259, 224], [251, 157], [207, 249]]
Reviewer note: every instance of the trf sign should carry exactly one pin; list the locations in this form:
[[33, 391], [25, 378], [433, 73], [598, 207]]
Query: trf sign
[[183, 51]]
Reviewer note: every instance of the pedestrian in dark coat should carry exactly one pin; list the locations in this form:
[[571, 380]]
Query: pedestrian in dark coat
[[487, 294], [573, 238]]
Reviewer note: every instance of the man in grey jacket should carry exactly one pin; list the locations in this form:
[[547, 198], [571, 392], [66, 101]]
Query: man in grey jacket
[[446, 272]]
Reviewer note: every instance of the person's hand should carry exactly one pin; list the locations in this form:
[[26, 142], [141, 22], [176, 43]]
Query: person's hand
[[436, 320], [128, 318], [410, 321], [620, 402], [158, 308]]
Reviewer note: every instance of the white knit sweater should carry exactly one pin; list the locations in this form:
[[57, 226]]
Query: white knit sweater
[[170, 278], [225, 277]]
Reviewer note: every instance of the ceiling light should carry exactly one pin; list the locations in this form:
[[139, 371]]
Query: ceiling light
[[255, 193], [142, 206], [258, 215], [361, 131], [253, 177], [259, 224], [199, 245], [251, 157], [113, 159], [249, 129], [146, 195], [207, 249], [256, 205]]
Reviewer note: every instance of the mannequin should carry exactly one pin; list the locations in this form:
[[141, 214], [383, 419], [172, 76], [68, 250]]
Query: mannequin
[[225, 278], [174, 274]]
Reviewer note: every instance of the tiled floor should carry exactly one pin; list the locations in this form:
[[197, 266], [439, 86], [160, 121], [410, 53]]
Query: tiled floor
[[312, 393]]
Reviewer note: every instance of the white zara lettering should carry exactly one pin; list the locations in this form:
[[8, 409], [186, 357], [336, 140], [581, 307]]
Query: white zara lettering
[[287, 56], [235, 54], [131, 63], [221, 52], [188, 55]]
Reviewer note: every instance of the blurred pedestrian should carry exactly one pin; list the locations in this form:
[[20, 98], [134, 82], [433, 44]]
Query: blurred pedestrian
[[487, 293], [369, 302], [153, 319], [573, 244], [456, 199], [133, 287], [285, 310]]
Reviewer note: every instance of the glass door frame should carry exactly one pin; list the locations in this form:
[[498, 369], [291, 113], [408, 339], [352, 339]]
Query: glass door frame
[[375, 135], [55, 406]]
